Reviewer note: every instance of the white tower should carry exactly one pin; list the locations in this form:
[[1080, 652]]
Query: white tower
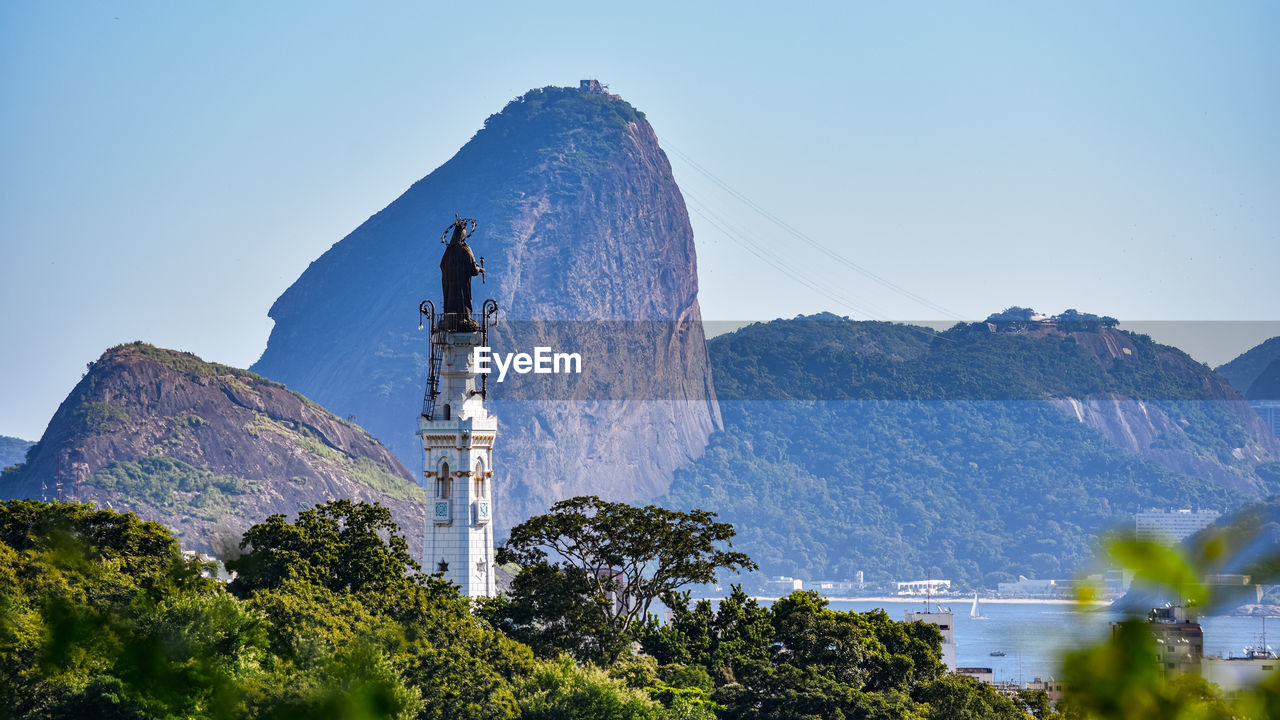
[[457, 435], [457, 431]]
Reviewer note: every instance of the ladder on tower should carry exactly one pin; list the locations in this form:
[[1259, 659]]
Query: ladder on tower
[[433, 382]]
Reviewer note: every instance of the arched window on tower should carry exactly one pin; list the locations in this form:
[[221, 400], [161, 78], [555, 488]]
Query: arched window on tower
[[443, 481], [448, 412], [480, 484]]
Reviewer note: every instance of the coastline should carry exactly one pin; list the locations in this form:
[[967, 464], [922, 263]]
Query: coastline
[[954, 601]]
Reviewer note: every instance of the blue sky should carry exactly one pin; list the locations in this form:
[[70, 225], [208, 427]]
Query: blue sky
[[170, 168]]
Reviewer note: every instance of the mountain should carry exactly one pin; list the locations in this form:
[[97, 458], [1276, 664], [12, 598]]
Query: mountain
[[587, 248], [13, 450], [1266, 386], [988, 451], [204, 448], [1243, 371]]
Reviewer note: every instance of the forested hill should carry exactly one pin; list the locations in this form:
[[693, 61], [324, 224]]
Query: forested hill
[[987, 451], [1246, 369], [13, 450], [205, 449]]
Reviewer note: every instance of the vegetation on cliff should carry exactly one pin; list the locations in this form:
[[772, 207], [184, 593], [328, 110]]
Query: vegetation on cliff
[[203, 448]]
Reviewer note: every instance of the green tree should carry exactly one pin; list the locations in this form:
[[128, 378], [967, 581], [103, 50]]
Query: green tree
[[103, 617], [341, 575], [340, 545], [592, 569]]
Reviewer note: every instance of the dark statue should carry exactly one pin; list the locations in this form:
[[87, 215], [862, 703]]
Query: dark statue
[[457, 267]]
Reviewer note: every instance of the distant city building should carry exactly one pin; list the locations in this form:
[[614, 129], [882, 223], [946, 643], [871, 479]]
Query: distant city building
[[782, 585], [1116, 582], [923, 587], [1179, 639], [1032, 588], [981, 674], [1233, 674], [946, 623], [1269, 411], [835, 587], [1051, 687], [1171, 526]]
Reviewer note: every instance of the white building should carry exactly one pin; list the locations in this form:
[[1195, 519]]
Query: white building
[[981, 674], [781, 585], [1171, 526], [1233, 674], [457, 434], [1025, 586], [1269, 411], [946, 623]]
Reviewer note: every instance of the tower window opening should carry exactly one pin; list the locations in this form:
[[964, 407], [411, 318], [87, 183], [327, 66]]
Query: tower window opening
[[479, 480], [443, 481], [448, 411]]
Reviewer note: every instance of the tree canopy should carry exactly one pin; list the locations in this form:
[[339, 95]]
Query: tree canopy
[[605, 564]]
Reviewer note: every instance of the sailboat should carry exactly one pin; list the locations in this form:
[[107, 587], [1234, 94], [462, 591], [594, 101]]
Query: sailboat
[[975, 612]]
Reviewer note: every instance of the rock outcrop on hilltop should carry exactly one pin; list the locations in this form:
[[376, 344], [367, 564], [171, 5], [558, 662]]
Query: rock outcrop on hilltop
[[206, 449], [588, 249]]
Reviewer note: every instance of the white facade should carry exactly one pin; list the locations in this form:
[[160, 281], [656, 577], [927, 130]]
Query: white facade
[[458, 442], [946, 623], [1235, 674], [1171, 526], [923, 587]]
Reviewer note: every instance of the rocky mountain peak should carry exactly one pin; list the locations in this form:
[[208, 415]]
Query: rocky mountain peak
[[204, 448], [588, 247]]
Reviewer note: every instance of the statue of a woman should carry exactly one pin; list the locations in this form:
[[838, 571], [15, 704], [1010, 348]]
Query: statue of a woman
[[457, 267]]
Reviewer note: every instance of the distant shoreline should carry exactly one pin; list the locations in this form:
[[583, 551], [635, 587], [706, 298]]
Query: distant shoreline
[[955, 601]]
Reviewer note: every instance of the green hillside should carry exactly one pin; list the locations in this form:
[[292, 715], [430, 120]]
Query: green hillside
[[203, 448], [13, 450], [903, 452], [1246, 368]]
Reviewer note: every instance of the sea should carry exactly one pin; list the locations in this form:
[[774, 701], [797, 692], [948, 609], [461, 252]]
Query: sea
[[1033, 636]]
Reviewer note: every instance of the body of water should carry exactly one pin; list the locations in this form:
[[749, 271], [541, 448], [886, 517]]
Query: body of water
[[1033, 636]]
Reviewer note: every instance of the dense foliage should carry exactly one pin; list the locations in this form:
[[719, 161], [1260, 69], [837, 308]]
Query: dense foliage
[[800, 659], [104, 617], [1267, 385], [1244, 370], [903, 452], [601, 565]]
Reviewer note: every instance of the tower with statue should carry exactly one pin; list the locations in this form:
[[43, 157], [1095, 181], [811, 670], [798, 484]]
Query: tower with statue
[[456, 428]]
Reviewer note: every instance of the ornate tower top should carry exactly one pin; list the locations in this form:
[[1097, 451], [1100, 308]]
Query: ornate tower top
[[456, 428]]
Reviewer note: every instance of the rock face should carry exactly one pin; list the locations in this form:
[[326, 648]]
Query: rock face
[[205, 449], [588, 249]]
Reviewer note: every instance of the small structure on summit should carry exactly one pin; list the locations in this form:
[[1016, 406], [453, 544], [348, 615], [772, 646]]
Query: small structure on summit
[[457, 430]]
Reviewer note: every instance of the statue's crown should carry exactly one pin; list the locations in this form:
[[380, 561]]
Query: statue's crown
[[459, 228]]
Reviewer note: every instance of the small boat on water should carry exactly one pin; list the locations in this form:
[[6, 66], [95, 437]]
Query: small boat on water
[[997, 653], [975, 612]]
